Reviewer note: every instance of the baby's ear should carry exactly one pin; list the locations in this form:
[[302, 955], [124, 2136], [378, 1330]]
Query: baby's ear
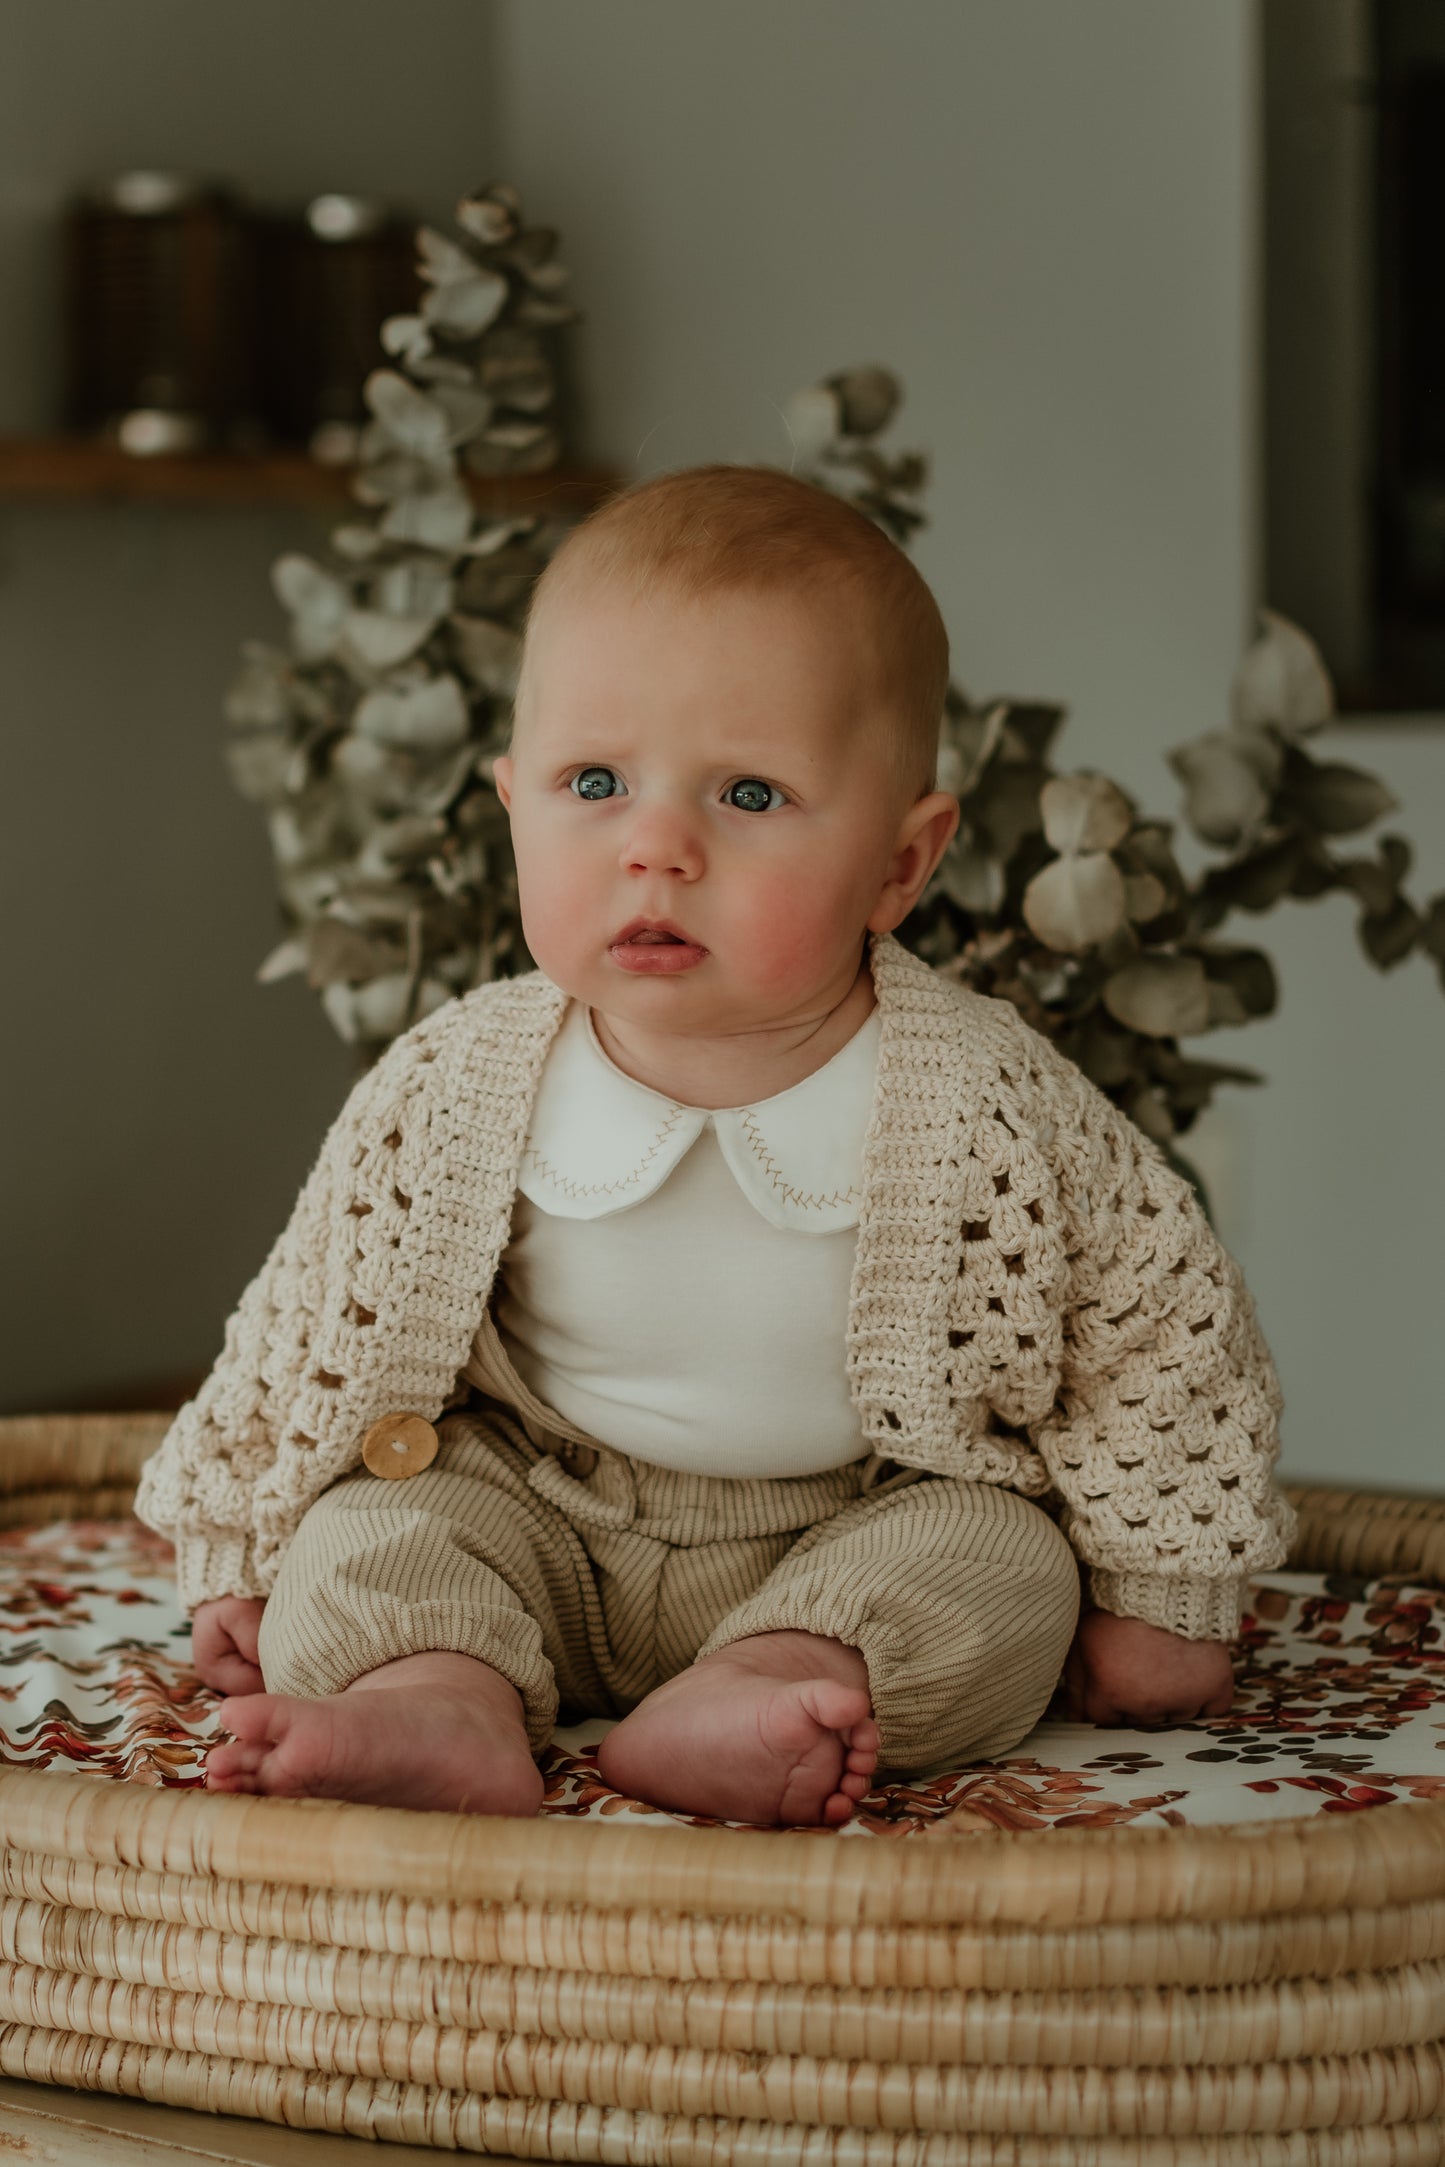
[[502, 777]]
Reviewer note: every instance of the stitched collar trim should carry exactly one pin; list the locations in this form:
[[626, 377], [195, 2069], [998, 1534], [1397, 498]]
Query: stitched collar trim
[[600, 1142]]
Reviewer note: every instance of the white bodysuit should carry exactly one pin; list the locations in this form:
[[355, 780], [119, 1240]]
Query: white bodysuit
[[676, 1282]]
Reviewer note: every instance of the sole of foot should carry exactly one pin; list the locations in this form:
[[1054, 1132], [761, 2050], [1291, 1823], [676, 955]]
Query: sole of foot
[[443, 1747]]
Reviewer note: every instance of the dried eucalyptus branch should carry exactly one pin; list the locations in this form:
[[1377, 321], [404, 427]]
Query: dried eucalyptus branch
[[1058, 896], [370, 743]]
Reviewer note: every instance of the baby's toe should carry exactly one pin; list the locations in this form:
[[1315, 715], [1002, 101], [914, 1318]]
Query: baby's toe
[[250, 1717], [230, 1767]]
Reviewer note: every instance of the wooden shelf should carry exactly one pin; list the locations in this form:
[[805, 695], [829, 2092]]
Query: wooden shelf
[[61, 469]]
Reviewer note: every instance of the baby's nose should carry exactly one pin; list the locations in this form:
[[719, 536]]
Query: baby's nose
[[662, 839]]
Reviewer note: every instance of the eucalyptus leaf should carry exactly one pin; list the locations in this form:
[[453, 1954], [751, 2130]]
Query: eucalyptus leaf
[[493, 453], [378, 642], [317, 602], [1076, 902], [1191, 1083], [396, 474], [435, 370], [1337, 799], [431, 719], [395, 844], [965, 748], [491, 653], [416, 587], [971, 879], [1084, 812], [869, 399], [334, 951], [384, 1007], [443, 262], [1225, 797], [487, 219], [1225, 1008], [1250, 976], [356, 542], [1388, 936], [434, 795], [1149, 1110], [1375, 885], [1145, 897], [304, 890], [406, 337], [1283, 679], [1160, 996], [463, 308], [435, 518], [263, 765], [1030, 727], [467, 410], [373, 773], [1005, 804], [284, 961], [516, 435], [1258, 881], [415, 422], [259, 697]]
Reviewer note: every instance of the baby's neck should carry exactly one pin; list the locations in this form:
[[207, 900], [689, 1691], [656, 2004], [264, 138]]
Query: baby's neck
[[740, 1070]]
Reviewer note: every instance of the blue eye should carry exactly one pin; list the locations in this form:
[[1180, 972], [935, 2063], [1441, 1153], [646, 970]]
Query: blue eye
[[595, 782], [751, 795]]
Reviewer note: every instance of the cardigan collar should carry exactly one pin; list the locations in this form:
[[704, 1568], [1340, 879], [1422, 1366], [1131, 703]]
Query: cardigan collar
[[601, 1142], [941, 1052]]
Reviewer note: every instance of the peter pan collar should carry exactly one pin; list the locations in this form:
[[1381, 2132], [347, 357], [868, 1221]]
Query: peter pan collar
[[600, 1142]]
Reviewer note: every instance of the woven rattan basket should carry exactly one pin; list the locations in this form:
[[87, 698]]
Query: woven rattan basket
[[1271, 1994]]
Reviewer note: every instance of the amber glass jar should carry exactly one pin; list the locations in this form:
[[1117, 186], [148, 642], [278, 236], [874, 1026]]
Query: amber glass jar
[[327, 281], [158, 276]]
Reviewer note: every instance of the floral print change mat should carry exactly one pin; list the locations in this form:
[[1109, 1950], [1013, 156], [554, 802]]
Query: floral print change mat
[[1340, 1706]]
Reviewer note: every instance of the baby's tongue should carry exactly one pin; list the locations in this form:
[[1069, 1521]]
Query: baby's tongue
[[651, 936]]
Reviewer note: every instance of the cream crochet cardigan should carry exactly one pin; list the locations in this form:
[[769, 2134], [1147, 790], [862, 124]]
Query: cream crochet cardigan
[[1036, 1300]]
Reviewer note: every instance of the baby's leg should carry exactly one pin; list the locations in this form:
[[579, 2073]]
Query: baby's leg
[[412, 1642], [947, 1605]]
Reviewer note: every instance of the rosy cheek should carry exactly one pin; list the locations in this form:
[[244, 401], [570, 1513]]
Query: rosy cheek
[[787, 926]]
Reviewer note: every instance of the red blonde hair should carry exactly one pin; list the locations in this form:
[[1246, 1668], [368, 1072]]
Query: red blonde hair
[[710, 529]]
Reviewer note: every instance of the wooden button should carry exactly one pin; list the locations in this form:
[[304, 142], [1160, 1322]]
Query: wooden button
[[399, 1445]]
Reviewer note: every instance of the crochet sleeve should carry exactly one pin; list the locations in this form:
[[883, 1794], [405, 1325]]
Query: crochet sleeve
[[1166, 1425], [200, 1488]]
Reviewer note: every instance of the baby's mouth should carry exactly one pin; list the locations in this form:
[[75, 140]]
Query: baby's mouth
[[654, 949]]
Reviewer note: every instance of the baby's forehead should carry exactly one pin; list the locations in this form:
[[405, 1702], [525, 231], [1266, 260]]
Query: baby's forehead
[[653, 604]]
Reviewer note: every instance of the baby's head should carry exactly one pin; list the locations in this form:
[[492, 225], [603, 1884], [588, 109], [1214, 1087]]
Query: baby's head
[[727, 722]]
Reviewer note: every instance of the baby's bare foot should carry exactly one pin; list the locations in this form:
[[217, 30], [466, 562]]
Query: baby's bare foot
[[777, 1730], [438, 1731]]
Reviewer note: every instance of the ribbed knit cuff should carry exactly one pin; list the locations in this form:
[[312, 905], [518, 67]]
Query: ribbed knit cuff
[[221, 1561], [1195, 1609]]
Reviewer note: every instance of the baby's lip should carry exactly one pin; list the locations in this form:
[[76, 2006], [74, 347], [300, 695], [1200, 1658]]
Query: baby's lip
[[635, 926]]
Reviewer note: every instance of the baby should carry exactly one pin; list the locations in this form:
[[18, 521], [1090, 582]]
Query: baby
[[732, 1326]]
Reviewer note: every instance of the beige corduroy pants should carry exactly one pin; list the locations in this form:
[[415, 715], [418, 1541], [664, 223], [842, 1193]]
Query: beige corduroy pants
[[588, 1578]]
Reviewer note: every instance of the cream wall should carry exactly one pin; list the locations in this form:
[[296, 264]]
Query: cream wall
[[1042, 215]]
